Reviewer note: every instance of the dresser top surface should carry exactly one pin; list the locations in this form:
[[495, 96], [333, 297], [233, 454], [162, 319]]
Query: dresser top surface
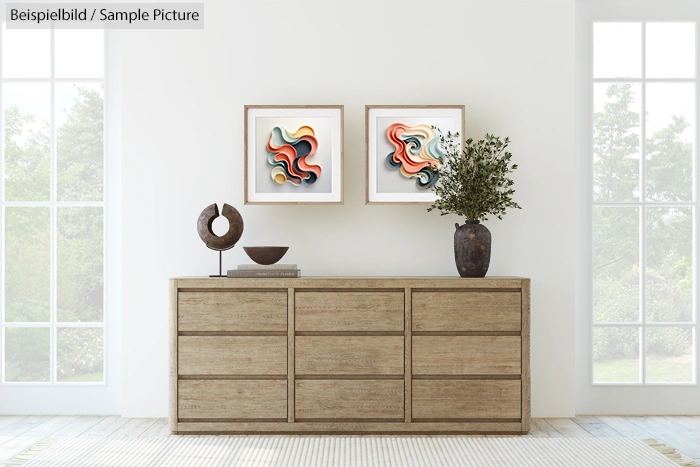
[[353, 282]]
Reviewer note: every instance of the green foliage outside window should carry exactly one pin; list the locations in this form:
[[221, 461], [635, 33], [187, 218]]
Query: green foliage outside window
[[79, 241], [616, 268]]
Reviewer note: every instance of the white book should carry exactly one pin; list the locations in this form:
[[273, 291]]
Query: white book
[[264, 273], [266, 266]]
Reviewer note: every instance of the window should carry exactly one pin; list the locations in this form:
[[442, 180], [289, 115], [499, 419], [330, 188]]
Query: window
[[52, 309], [644, 203]]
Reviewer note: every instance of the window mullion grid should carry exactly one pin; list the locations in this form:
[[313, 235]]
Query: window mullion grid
[[646, 80], [591, 206], [52, 204], [642, 205], [63, 324], [52, 216], [79, 204], [2, 226], [649, 325], [695, 318], [660, 204], [643, 212], [105, 223], [54, 80]]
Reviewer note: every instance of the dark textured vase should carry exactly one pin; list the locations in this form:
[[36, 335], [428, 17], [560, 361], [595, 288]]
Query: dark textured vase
[[472, 249]]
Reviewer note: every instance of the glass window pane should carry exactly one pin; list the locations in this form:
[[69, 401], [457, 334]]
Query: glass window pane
[[670, 50], [27, 355], [26, 53], [615, 264], [79, 264], [617, 50], [616, 147], [669, 264], [26, 141], [669, 355], [79, 53], [616, 355], [27, 250], [80, 355], [670, 141], [79, 142]]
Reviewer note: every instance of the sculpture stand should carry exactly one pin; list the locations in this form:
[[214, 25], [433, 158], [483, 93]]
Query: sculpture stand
[[220, 271], [221, 274]]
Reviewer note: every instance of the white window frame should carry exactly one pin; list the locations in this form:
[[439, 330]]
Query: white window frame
[[642, 204], [81, 398], [641, 397]]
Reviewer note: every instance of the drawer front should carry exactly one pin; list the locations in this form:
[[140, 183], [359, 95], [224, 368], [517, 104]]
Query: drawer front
[[232, 355], [349, 399], [452, 399], [466, 311], [466, 355], [232, 311], [198, 399], [349, 311], [349, 355]]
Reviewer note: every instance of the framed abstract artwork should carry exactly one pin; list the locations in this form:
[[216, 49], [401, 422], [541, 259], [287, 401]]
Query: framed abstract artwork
[[293, 154], [403, 151]]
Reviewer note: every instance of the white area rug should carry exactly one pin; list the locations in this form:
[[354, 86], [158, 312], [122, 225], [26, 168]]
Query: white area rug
[[365, 451]]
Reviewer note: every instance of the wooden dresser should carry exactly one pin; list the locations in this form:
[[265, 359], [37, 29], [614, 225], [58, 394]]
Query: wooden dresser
[[350, 355]]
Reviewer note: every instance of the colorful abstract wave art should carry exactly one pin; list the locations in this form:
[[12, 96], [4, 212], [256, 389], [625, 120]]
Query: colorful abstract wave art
[[418, 153], [288, 153]]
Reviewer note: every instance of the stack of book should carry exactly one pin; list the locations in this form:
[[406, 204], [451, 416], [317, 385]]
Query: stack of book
[[261, 270]]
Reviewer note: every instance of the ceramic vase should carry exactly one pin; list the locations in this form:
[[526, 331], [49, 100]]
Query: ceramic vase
[[472, 249]]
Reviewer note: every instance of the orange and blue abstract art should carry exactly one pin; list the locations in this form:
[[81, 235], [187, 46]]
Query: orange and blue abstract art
[[288, 153], [417, 152]]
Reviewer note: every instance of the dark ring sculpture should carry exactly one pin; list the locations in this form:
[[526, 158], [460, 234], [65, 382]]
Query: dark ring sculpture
[[229, 239], [226, 241]]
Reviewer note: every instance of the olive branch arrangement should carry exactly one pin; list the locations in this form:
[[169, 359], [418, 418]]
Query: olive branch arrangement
[[474, 181]]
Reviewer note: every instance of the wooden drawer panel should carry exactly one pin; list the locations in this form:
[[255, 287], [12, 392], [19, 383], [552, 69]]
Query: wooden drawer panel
[[232, 399], [466, 311], [349, 399], [349, 311], [475, 399], [232, 355], [232, 311], [466, 355], [348, 355]]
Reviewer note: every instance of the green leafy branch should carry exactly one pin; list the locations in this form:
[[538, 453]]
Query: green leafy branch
[[474, 181]]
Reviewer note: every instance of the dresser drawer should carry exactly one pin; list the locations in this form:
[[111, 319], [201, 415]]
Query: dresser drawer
[[349, 399], [455, 399], [349, 355], [466, 355], [349, 311], [466, 311], [232, 311], [232, 355], [199, 399]]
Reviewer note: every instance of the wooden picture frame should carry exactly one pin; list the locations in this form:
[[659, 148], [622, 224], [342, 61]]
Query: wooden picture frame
[[293, 154], [396, 182]]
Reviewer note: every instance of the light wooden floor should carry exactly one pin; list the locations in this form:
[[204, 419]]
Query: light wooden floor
[[18, 433]]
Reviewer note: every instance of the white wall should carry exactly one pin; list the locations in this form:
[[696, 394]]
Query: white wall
[[510, 63]]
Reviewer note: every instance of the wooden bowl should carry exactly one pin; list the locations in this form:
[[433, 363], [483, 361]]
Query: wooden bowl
[[265, 254]]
